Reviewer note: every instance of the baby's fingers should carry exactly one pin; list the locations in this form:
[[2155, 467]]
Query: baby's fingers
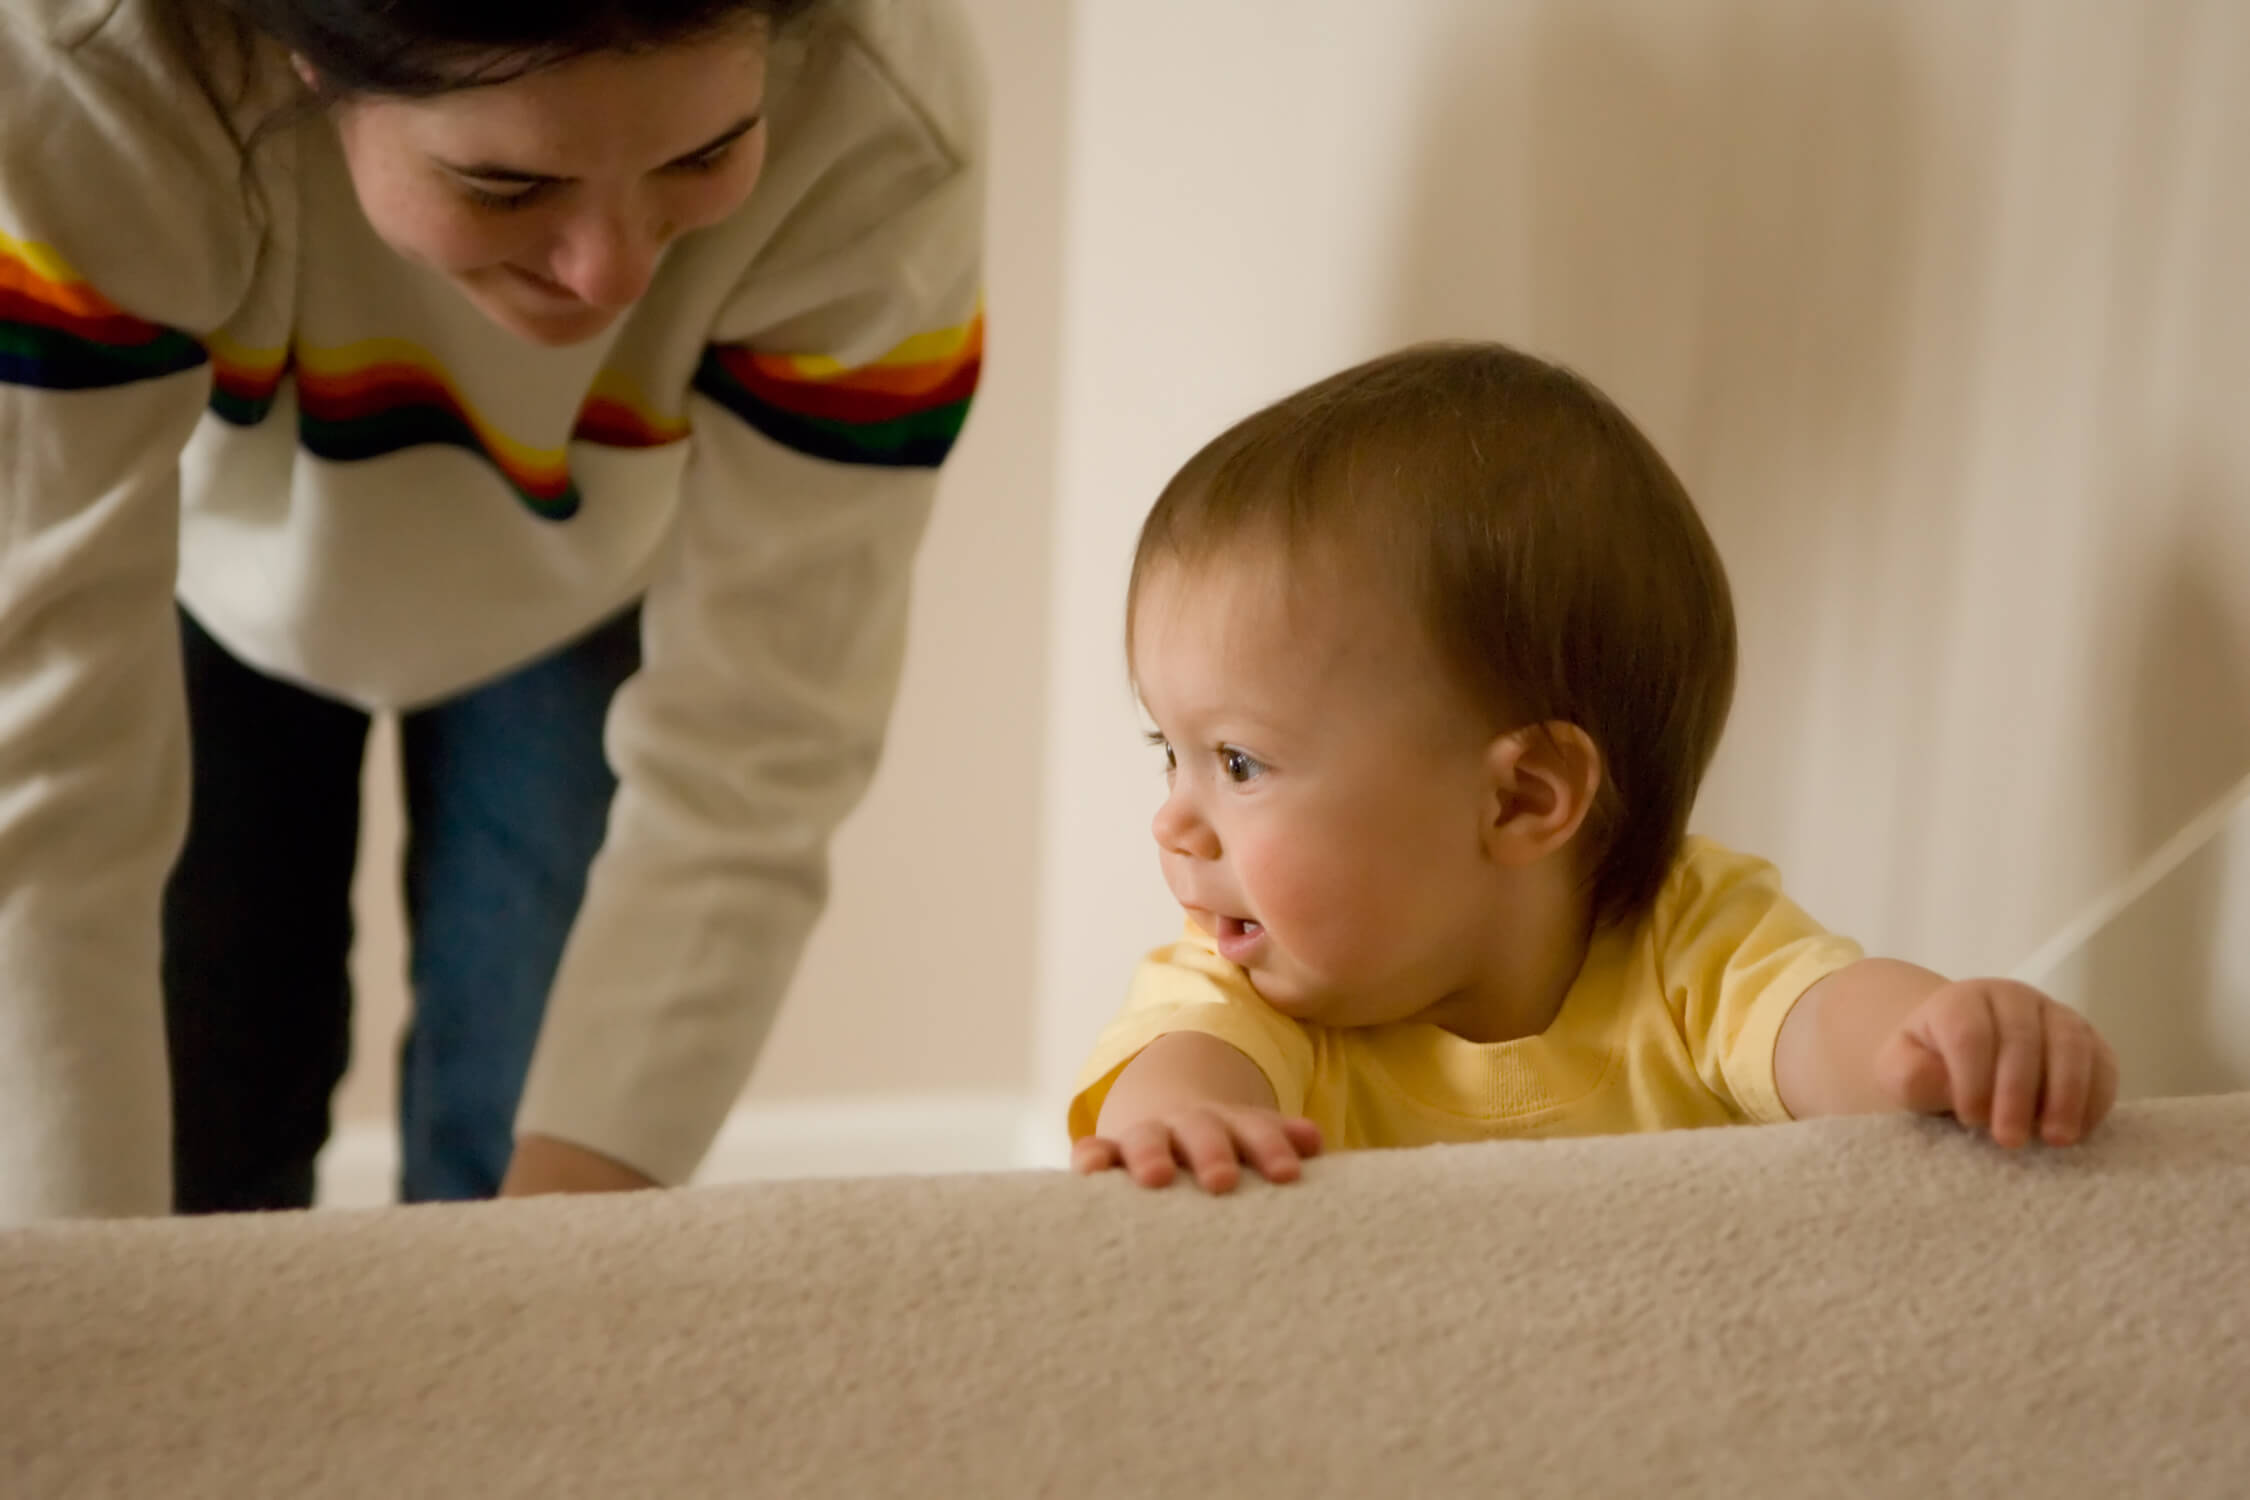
[[1265, 1142], [2070, 1079], [1206, 1146], [1913, 1074], [1146, 1150], [2103, 1092], [2019, 1024], [1956, 1024], [1094, 1154]]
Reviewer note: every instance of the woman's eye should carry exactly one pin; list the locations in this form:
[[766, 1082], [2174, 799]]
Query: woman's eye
[[1238, 765], [487, 198], [709, 161]]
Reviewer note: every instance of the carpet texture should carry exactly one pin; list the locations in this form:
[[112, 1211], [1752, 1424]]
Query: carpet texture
[[1879, 1307]]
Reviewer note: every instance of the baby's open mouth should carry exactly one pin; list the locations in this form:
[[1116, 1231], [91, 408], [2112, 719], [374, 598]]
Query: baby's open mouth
[[1238, 939]]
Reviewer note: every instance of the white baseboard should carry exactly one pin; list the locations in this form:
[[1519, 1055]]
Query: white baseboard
[[359, 1167], [912, 1134], [1041, 1140], [871, 1136]]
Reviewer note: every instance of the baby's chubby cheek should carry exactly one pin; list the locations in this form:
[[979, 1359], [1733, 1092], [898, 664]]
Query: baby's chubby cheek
[[1359, 931], [1320, 924]]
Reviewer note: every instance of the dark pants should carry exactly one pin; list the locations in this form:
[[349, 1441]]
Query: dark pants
[[507, 793]]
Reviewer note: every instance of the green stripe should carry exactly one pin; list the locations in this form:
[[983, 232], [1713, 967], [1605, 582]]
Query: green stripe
[[55, 360], [427, 425], [240, 410]]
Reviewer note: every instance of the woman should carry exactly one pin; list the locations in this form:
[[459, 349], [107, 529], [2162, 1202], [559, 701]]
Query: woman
[[559, 376]]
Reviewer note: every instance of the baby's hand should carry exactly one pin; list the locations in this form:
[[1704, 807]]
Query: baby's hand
[[1999, 1056], [1210, 1140]]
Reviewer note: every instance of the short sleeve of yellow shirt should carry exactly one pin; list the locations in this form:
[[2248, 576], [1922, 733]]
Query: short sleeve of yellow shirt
[[1670, 1024]]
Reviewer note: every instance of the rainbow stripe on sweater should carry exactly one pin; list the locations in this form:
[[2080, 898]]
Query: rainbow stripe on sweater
[[382, 396], [244, 382], [59, 334], [903, 411], [375, 398]]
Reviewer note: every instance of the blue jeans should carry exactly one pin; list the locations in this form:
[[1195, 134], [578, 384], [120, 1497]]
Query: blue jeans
[[507, 794]]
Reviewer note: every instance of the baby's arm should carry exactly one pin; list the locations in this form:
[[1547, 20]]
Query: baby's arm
[[2000, 1056], [1194, 1100]]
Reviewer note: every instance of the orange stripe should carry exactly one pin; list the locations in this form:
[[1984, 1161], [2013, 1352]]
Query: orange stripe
[[73, 297], [879, 378]]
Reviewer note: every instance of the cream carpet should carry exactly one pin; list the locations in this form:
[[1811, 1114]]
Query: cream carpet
[[1881, 1307]]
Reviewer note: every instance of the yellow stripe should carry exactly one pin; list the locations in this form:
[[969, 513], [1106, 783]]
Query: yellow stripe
[[935, 347], [353, 361], [348, 360], [260, 362], [42, 259], [609, 385]]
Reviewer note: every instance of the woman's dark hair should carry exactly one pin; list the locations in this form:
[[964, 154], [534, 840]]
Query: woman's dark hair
[[417, 48]]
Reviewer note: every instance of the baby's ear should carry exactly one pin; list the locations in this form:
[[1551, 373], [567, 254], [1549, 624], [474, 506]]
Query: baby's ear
[[1543, 780]]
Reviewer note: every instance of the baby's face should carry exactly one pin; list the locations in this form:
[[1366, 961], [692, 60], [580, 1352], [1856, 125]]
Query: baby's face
[[1328, 792]]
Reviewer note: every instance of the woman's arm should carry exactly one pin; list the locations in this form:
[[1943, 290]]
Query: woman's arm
[[773, 633], [124, 236], [542, 1164], [93, 789]]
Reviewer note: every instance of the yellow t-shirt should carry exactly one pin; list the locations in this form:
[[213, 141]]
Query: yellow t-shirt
[[1670, 1024]]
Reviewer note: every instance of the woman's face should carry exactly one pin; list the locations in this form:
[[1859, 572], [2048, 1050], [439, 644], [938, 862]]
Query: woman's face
[[549, 198]]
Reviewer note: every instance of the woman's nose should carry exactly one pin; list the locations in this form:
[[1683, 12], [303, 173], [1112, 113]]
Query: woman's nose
[[607, 261]]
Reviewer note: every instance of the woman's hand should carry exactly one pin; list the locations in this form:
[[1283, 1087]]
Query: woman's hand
[[2003, 1058], [1211, 1140], [543, 1164]]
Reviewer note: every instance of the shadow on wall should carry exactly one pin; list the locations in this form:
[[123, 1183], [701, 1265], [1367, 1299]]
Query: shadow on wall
[[1711, 211], [2169, 981]]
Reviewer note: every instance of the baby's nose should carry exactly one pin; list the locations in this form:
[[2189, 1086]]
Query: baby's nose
[[1178, 829]]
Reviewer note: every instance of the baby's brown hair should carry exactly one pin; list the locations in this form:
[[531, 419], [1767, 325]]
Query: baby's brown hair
[[1556, 562]]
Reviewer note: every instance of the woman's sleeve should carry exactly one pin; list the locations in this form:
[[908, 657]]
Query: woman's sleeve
[[124, 234], [773, 635]]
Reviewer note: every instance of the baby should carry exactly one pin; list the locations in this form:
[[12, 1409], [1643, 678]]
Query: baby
[[1438, 652]]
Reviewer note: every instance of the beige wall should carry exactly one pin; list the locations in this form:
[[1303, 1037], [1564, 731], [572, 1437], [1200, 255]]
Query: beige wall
[[1938, 305], [919, 978]]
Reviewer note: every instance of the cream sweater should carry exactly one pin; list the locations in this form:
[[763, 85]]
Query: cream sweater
[[216, 382]]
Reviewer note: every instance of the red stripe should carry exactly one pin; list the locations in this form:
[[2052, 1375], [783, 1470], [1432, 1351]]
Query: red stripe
[[380, 391], [374, 391], [245, 381], [613, 424], [841, 403], [913, 379], [115, 329]]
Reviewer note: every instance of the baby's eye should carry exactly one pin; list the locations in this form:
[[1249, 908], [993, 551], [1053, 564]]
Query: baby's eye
[[1171, 760], [1239, 765]]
